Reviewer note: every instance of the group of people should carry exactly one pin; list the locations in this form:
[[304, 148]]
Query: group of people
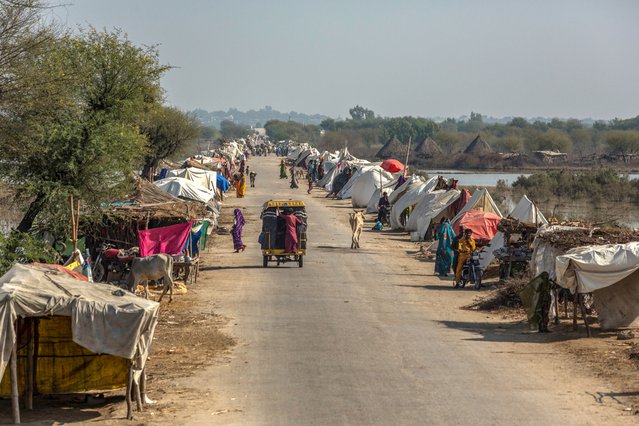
[[452, 249]]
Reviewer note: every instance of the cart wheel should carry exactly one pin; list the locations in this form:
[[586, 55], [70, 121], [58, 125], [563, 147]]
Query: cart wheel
[[301, 261], [265, 261]]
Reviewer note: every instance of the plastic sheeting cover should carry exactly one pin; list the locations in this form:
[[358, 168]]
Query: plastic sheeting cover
[[100, 321]]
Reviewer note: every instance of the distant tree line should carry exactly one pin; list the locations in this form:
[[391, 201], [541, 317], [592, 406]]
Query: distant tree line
[[364, 133]]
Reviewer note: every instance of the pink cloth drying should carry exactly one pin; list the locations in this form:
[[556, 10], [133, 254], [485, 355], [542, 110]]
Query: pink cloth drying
[[168, 239]]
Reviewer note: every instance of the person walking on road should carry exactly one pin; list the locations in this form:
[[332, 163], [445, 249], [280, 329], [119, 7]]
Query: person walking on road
[[310, 184], [293, 179], [283, 170], [444, 256], [236, 231], [252, 175], [240, 186]]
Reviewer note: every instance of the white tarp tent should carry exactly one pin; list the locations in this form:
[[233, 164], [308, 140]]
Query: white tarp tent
[[345, 192], [433, 206], [184, 188], [205, 178], [609, 272], [388, 187], [596, 267], [410, 183], [369, 182], [102, 322], [526, 211], [411, 197]]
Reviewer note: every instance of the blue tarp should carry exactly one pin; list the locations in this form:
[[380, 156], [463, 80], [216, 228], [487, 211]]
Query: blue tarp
[[222, 184]]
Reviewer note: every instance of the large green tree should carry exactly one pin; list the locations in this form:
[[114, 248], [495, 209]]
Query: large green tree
[[168, 130], [85, 140]]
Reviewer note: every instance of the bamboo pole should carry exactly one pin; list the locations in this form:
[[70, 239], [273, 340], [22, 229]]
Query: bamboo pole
[[574, 310], [129, 407], [75, 242], [36, 350], [15, 402], [583, 315], [410, 140], [29, 394], [138, 398]]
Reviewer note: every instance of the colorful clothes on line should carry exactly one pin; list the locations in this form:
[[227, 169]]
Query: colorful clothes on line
[[167, 239]]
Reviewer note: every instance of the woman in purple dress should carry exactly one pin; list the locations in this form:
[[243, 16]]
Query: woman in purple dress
[[236, 231]]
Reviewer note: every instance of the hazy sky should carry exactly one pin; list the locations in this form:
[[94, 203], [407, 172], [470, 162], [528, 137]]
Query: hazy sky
[[425, 57]]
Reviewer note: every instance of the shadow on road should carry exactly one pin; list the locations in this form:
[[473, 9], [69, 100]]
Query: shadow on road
[[217, 268], [518, 331]]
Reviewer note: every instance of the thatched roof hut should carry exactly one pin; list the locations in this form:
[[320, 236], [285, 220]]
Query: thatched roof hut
[[427, 148], [393, 148], [478, 147]]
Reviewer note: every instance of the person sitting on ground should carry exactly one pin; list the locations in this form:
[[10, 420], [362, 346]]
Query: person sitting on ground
[[383, 206], [466, 246]]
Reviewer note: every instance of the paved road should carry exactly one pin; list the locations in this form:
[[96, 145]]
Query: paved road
[[358, 338]]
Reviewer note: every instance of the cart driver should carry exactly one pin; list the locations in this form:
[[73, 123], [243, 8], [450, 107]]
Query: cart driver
[[466, 246]]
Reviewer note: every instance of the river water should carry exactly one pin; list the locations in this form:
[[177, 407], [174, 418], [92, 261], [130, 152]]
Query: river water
[[470, 178], [564, 209]]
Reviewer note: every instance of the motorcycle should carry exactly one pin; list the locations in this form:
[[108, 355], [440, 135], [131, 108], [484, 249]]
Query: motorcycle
[[471, 272], [114, 261]]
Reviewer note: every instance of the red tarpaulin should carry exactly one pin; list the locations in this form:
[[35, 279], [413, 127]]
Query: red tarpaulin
[[483, 224], [168, 239], [392, 166]]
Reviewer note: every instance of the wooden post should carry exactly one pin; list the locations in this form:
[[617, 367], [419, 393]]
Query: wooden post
[[410, 140], [138, 398], [129, 384], [36, 349], [556, 306], [13, 367], [583, 315], [143, 386], [29, 395], [574, 310]]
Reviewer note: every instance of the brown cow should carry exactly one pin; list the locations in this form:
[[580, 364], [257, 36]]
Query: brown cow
[[356, 220]]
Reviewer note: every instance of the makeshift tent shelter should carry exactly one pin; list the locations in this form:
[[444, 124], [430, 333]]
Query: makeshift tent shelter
[[610, 273], [110, 332], [205, 178], [410, 198], [393, 148], [371, 206], [366, 185], [346, 190], [431, 208], [478, 147], [481, 200], [409, 184], [184, 188], [427, 148], [525, 211], [483, 224]]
